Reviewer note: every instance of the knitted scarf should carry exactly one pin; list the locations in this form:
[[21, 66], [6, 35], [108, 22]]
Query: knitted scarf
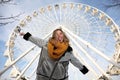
[[56, 49]]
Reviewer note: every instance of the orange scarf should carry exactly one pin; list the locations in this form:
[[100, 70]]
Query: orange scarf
[[56, 49]]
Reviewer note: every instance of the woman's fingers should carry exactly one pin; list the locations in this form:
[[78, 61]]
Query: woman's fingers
[[22, 33]]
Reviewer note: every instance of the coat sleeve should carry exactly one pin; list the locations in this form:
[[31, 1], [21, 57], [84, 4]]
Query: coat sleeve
[[37, 41], [78, 64]]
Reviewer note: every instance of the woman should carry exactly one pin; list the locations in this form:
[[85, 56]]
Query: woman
[[55, 56]]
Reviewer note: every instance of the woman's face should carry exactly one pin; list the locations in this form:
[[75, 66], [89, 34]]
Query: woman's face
[[59, 36]]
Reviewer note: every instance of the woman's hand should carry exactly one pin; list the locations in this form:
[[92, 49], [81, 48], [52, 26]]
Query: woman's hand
[[25, 35], [22, 33]]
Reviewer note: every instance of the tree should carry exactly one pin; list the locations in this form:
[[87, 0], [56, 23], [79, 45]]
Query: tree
[[5, 1], [10, 19], [114, 4]]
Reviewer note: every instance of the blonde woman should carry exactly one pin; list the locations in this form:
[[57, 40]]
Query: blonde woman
[[55, 56]]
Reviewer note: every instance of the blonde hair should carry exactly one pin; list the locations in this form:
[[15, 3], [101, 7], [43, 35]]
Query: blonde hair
[[65, 39]]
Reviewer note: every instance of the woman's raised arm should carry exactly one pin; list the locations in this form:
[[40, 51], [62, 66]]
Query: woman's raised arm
[[37, 41]]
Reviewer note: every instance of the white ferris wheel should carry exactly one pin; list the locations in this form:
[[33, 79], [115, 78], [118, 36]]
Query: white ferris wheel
[[94, 36]]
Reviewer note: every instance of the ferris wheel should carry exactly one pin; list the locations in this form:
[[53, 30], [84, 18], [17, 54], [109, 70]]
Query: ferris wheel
[[94, 36]]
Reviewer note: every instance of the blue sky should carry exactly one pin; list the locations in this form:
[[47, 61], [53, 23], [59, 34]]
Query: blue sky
[[27, 7]]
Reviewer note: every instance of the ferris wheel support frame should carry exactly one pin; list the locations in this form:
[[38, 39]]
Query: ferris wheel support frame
[[80, 58], [87, 8], [16, 60], [80, 47], [21, 56], [32, 73], [93, 48], [29, 64]]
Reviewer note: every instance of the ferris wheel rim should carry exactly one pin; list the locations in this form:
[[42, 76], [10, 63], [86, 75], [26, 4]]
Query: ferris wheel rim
[[85, 5]]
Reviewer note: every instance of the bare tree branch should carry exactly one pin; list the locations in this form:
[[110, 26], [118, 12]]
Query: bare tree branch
[[5, 23], [7, 20], [114, 3], [7, 2], [11, 17]]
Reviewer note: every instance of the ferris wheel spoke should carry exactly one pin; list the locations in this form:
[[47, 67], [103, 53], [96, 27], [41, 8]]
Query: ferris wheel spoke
[[29, 64], [89, 26], [31, 75], [56, 11], [74, 17], [83, 60], [93, 48], [21, 56], [60, 14], [45, 18], [16, 60], [84, 51], [65, 15]]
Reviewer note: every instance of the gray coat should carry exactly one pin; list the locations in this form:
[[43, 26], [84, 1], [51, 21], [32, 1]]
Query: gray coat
[[46, 64]]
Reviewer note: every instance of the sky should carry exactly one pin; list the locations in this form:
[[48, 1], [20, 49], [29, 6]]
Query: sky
[[26, 7]]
